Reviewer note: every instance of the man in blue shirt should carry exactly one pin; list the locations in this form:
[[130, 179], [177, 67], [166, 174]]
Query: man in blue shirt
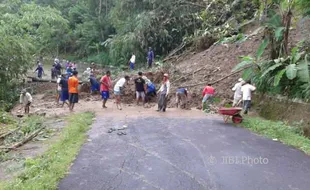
[[64, 96], [40, 70], [95, 86], [150, 57], [181, 97]]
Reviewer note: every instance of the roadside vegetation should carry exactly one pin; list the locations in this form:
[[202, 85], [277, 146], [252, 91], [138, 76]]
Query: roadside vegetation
[[44, 172], [280, 69], [279, 131]]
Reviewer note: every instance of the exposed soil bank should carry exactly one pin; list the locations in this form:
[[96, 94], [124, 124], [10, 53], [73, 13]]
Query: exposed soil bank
[[283, 109]]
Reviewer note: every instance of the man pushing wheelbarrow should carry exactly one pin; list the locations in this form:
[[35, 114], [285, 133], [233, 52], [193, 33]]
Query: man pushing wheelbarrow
[[234, 112]]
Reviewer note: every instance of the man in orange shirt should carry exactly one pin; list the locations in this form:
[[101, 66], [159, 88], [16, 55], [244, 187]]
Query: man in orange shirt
[[207, 94], [73, 84]]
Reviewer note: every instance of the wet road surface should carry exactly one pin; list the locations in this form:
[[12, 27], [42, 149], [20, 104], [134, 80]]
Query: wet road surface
[[184, 154]]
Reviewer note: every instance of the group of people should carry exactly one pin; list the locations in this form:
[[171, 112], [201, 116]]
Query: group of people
[[57, 68], [68, 89], [143, 86], [150, 59], [243, 93]]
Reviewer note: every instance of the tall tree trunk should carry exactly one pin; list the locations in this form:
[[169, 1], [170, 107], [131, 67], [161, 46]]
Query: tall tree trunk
[[100, 5], [288, 19], [106, 7]]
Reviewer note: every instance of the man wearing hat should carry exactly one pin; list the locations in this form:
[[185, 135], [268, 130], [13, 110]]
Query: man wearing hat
[[238, 93], [163, 91], [25, 99]]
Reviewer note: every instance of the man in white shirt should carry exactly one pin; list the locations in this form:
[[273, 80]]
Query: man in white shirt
[[163, 91], [58, 89], [132, 62], [118, 89], [25, 99], [247, 90], [238, 93]]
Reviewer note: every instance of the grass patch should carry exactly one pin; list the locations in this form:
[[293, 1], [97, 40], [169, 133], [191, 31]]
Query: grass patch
[[45, 171], [289, 135]]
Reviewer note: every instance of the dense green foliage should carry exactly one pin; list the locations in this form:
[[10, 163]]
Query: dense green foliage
[[26, 29], [108, 32], [285, 71]]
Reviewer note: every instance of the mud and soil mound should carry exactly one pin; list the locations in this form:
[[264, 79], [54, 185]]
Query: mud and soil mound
[[213, 64]]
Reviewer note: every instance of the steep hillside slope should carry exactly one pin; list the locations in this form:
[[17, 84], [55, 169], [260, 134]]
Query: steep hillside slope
[[195, 70]]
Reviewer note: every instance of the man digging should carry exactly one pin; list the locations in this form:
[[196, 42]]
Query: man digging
[[140, 88], [25, 99]]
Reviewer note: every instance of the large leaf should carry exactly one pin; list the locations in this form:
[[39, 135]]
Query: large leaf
[[262, 48], [245, 62], [278, 77], [303, 71], [279, 33], [291, 71], [296, 58], [275, 21], [247, 74], [271, 68]]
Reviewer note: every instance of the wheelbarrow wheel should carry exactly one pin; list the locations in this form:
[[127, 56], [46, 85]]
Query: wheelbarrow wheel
[[237, 119]]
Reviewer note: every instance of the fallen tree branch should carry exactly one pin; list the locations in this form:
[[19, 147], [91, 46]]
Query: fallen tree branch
[[221, 79], [11, 132], [196, 71], [35, 79], [27, 139], [175, 51]]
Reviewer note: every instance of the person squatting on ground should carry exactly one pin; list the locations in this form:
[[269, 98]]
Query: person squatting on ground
[[94, 84], [105, 87], [132, 62], [73, 84], [181, 97], [150, 57], [208, 95], [164, 92], [151, 89], [64, 95], [40, 70], [118, 90], [238, 93], [140, 88], [247, 90], [25, 99]]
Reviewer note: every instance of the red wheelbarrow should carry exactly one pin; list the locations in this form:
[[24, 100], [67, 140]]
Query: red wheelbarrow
[[234, 113]]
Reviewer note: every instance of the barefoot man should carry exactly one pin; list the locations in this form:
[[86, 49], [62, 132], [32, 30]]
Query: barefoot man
[[105, 87], [140, 88], [118, 89], [73, 84]]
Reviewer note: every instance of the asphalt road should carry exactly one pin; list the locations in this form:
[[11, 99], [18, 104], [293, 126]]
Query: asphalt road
[[184, 154]]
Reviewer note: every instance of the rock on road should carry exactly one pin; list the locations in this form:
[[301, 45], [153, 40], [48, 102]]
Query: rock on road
[[173, 153]]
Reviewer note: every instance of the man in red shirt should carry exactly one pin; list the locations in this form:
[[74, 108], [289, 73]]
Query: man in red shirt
[[207, 94], [105, 87]]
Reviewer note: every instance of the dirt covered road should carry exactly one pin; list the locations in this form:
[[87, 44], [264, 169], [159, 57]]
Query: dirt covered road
[[183, 150]]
